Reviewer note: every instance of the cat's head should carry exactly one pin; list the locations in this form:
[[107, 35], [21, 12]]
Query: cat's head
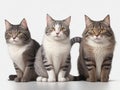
[[98, 31], [57, 29], [17, 34]]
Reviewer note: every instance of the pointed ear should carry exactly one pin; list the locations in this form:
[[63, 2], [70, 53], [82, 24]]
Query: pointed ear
[[7, 25], [24, 24], [49, 19], [67, 20], [88, 21], [106, 20]]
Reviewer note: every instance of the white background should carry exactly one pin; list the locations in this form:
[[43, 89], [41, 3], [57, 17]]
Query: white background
[[35, 13]]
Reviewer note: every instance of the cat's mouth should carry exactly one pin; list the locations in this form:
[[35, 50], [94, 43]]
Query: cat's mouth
[[57, 36], [98, 40], [14, 41]]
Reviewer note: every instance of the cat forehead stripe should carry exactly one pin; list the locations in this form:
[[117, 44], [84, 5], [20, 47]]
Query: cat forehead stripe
[[57, 26]]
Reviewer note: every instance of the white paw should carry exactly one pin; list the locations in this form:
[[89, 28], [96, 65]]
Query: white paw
[[44, 79], [51, 80], [39, 79], [62, 79]]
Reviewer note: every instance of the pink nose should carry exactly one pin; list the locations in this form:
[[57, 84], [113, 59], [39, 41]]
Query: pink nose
[[14, 37], [57, 33], [97, 35]]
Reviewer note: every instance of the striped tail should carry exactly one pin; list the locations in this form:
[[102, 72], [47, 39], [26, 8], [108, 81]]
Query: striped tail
[[75, 40], [80, 77], [77, 78], [12, 77]]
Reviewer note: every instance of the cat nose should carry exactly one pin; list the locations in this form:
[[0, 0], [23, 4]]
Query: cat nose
[[97, 35], [57, 33], [14, 37]]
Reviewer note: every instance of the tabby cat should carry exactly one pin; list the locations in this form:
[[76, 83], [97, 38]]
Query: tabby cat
[[22, 49], [55, 51], [96, 50]]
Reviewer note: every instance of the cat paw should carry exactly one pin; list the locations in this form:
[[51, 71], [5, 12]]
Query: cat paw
[[51, 80], [68, 79], [44, 79], [63, 79], [41, 79], [91, 80], [104, 79], [24, 80], [17, 79]]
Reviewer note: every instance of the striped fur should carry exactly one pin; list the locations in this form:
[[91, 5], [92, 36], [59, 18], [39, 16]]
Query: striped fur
[[22, 50], [75, 40], [96, 50], [54, 52], [53, 58], [41, 65]]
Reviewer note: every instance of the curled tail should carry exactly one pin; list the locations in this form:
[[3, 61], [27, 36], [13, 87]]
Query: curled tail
[[80, 77], [75, 40], [77, 78], [12, 77]]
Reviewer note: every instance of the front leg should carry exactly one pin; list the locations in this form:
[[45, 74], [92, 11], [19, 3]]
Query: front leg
[[105, 69], [29, 72], [91, 67], [63, 74], [19, 73], [50, 70]]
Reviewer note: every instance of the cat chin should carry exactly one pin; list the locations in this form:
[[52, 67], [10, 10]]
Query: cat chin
[[15, 43], [98, 41], [57, 38]]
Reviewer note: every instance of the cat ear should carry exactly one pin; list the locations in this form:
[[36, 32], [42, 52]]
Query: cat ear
[[7, 25], [88, 21], [24, 24], [67, 20], [106, 20], [49, 19]]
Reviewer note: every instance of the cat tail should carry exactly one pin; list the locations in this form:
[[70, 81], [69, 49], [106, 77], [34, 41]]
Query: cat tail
[[77, 78], [71, 77], [75, 40], [12, 77]]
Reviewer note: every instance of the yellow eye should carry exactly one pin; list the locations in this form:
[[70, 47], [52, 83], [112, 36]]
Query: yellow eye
[[62, 29], [52, 29], [93, 31], [20, 34], [9, 33], [103, 31]]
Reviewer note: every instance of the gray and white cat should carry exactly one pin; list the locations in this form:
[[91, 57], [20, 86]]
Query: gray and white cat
[[55, 52], [96, 50], [22, 49]]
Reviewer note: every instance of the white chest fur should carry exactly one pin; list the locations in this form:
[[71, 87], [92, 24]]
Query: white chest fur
[[56, 51], [16, 54], [100, 51]]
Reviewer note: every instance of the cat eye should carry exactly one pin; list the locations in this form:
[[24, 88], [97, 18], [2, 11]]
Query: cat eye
[[103, 31], [52, 29], [19, 34], [90, 32], [9, 33], [93, 31], [63, 29]]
